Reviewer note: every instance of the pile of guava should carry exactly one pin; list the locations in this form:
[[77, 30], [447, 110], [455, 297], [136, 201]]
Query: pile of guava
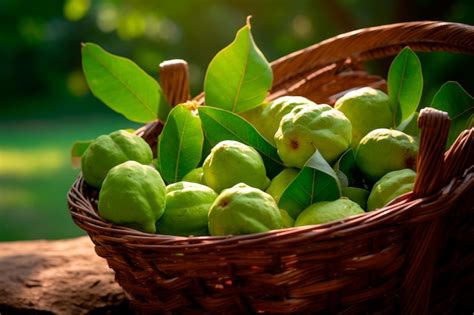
[[230, 192], [241, 163]]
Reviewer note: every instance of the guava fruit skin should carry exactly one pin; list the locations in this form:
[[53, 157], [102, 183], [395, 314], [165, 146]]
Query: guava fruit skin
[[384, 150], [266, 118], [309, 128], [390, 186], [187, 209], [110, 150], [356, 194], [286, 220], [280, 182], [231, 162], [243, 209], [328, 211], [194, 176], [133, 195], [367, 109]]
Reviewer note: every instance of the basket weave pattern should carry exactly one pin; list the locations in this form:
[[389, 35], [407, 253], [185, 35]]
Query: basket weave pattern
[[383, 261]]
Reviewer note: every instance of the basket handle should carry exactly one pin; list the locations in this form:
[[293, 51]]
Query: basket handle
[[434, 126], [372, 43], [415, 293], [460, 156], [174, 80]]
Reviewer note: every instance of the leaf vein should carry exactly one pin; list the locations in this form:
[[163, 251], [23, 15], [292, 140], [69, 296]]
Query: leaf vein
[[125, 85], [233, 133], [178, 157], [239, 86], [467, 110]]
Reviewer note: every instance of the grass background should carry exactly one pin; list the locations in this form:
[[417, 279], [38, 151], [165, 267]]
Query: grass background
[[36, 173]]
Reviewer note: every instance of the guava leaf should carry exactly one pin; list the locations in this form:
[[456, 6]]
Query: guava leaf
[[123, 86], [239, 77], [410, 125], [77, 150], [206, 150], [316, 181], [346, 169], [459, 105], [180, 144], [405, 84], [343, 179], [220, 124]]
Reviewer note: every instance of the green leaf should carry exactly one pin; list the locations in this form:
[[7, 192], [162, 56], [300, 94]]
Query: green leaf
[[122, 85], [459, 105], [410, 125], [405, 84], [220, 125], [77, 150], [239, 77], [316, 181], [206, 150], [180, 143], [346, 168]]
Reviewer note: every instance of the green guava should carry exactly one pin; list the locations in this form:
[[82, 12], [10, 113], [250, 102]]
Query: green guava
[[231, 162], [133, 195], [279, 183], [110, 150], [328, 211], [385, 150], [390, 186], [309, 128], [194, 176], [367, 109], [187, 209], [242, 209], [266, 118], [356, 194], [286, 220]]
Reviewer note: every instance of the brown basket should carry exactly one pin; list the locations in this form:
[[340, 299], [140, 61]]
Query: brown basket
[[383, 261]]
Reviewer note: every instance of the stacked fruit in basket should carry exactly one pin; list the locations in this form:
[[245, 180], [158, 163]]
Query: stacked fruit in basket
[[240, 164]]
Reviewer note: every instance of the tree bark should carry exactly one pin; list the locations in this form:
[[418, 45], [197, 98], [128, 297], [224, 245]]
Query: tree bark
[[57, 277]]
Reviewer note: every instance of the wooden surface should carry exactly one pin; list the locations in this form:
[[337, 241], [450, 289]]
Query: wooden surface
[[57, 277]]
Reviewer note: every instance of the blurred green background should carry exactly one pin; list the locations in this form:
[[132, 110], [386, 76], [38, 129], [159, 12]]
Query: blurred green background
[[46, 104]]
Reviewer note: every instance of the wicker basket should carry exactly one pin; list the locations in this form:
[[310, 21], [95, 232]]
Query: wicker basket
[[379, 262]]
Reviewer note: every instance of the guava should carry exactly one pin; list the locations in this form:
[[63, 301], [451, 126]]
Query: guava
[[309, 128], [231, 162], [266, 118], [133, 195], [286, 220], [328, 211], [243, 209], [367, 109], [194, 176], [390, 186], [384, 150], [110, 150], [254, 116], [187, 208], [356, 194], [279, 183]]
